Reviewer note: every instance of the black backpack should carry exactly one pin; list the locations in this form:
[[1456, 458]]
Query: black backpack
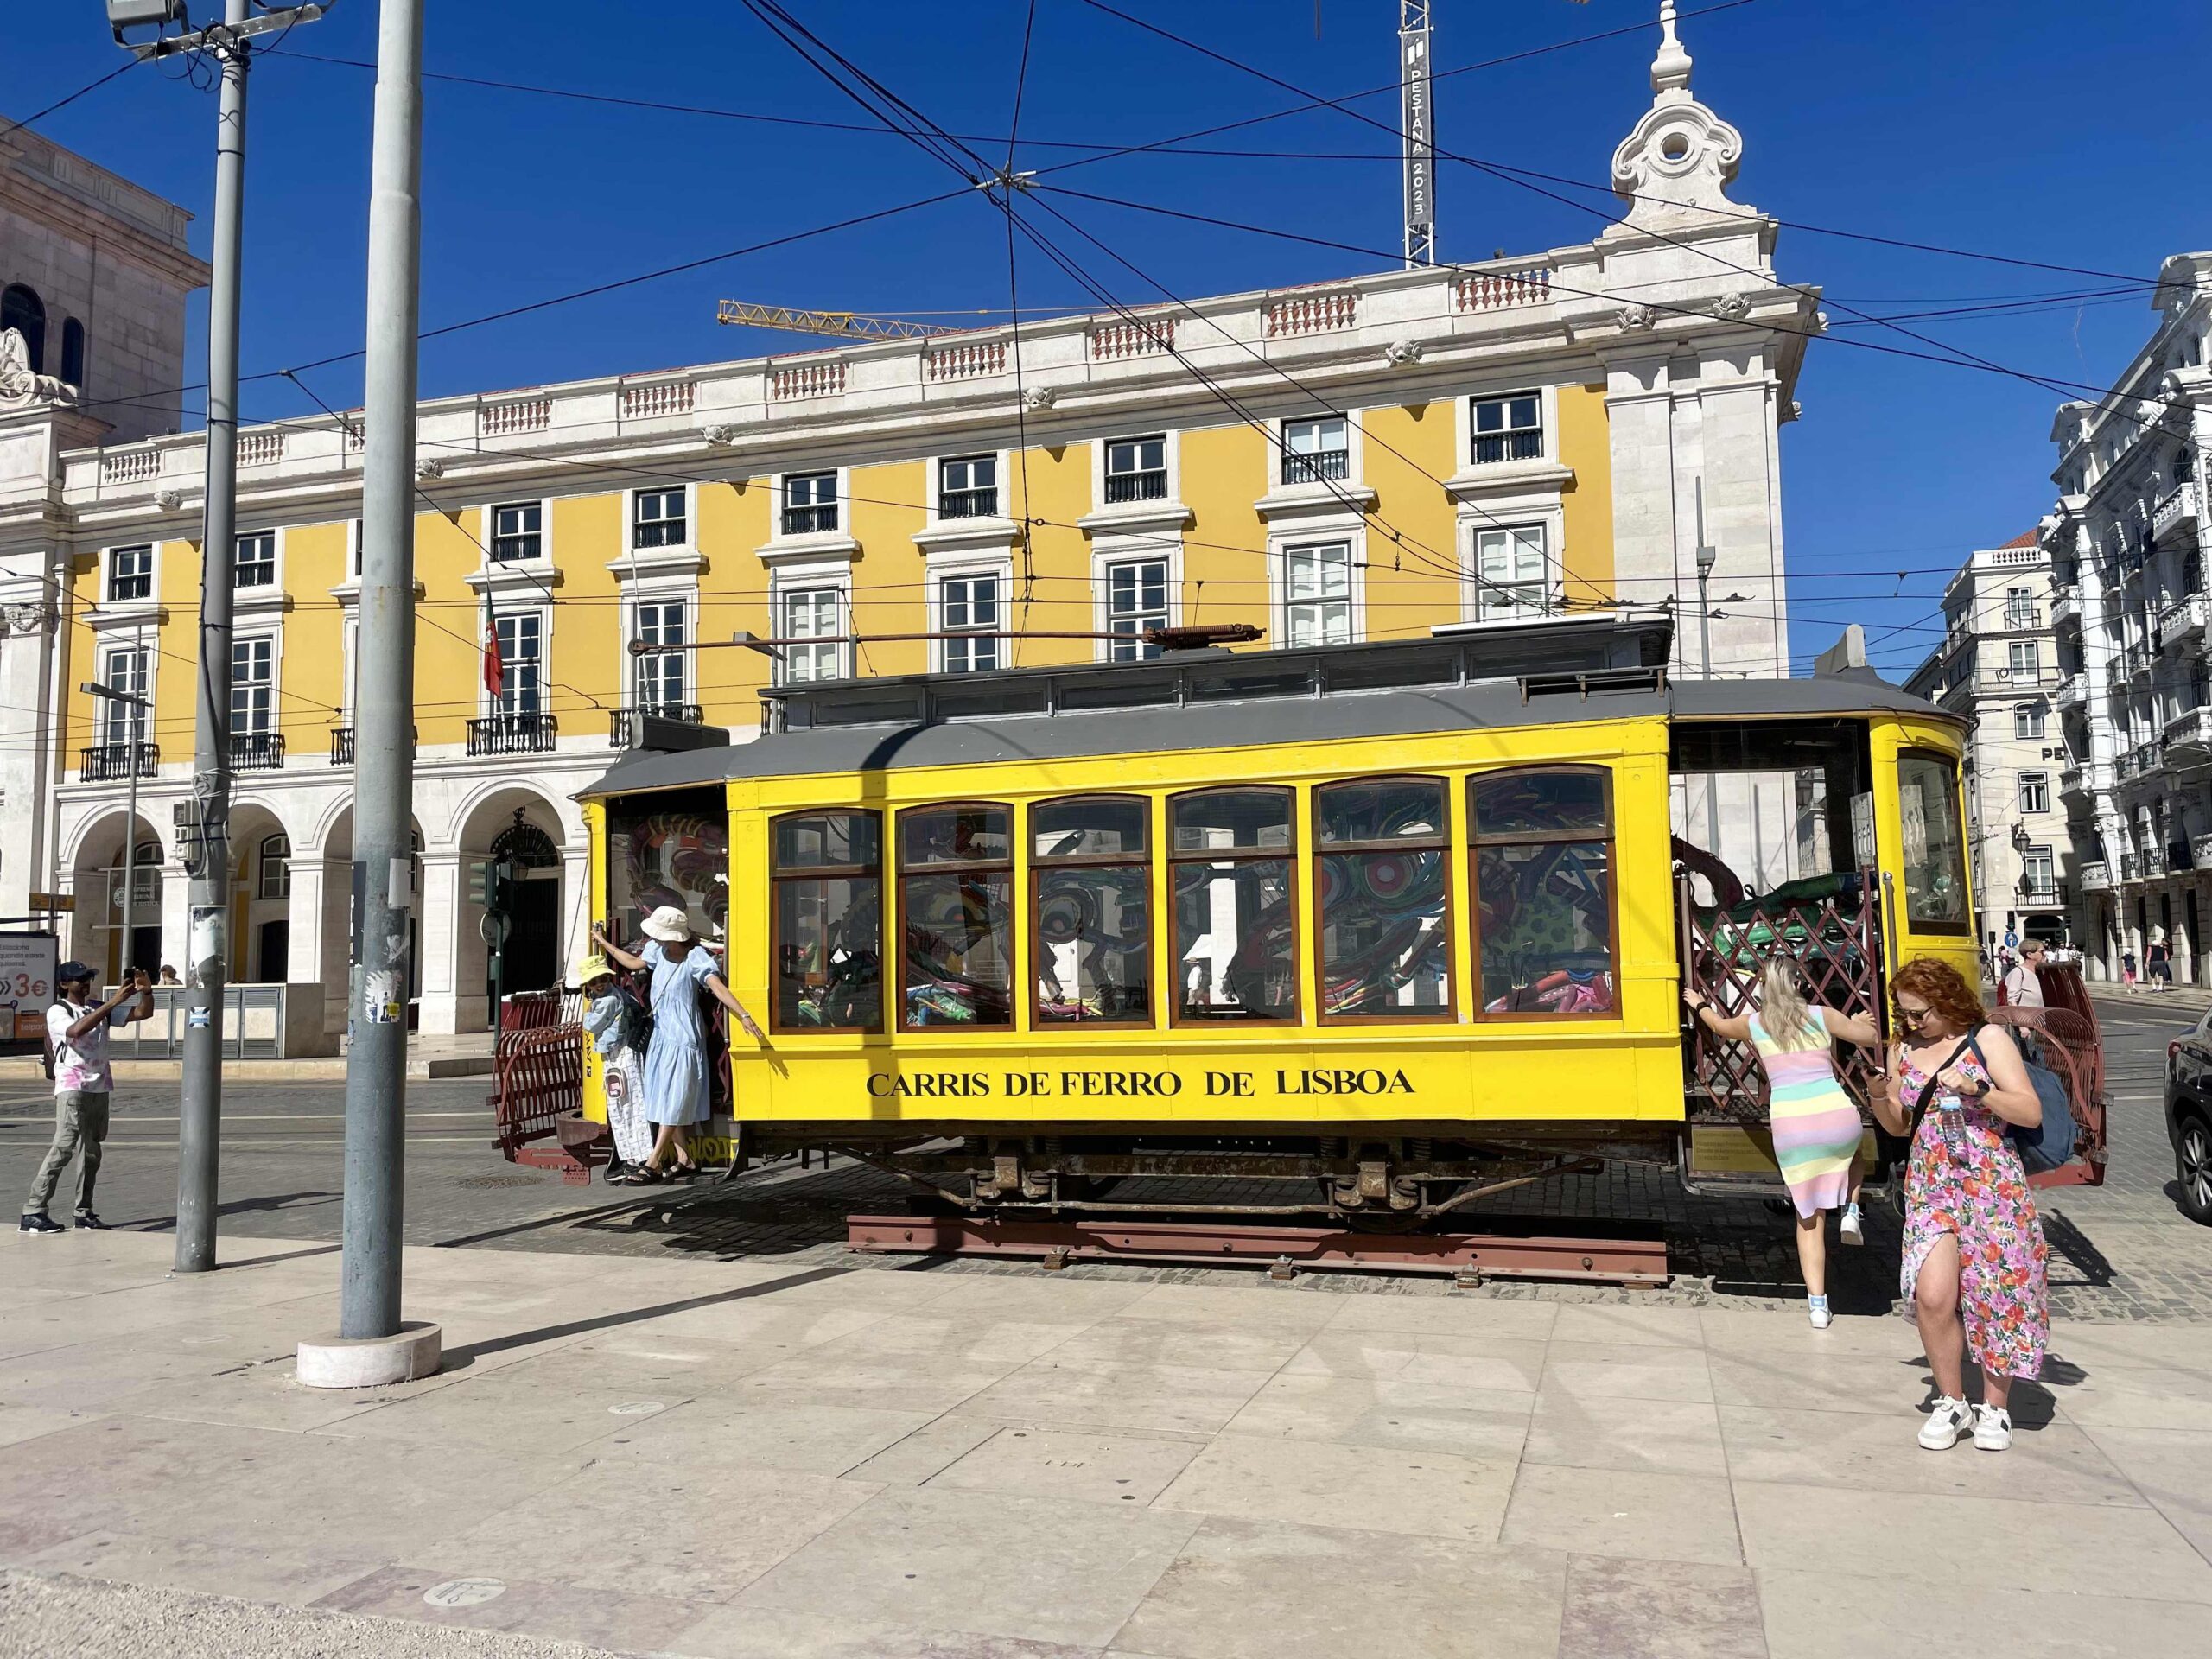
[[637, 1022]]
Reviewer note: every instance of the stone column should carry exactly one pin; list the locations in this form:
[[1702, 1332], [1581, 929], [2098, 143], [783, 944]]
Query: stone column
[[575, 907], [176, 915], [446, 1005]]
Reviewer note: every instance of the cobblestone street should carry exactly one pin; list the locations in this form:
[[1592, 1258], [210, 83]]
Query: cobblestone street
[[2120, 1252]]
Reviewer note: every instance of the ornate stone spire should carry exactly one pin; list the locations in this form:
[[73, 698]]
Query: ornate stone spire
[[1675, 168], [1670, 70]]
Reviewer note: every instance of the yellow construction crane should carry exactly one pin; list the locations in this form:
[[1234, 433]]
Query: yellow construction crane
[[849, 324]]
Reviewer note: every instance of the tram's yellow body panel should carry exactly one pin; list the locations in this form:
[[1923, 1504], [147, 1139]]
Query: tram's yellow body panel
[[1463, 1067]]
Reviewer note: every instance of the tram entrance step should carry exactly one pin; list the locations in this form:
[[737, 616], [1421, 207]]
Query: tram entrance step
[[1631, 1257]]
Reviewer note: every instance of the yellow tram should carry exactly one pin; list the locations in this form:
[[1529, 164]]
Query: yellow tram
[[1370, 921]]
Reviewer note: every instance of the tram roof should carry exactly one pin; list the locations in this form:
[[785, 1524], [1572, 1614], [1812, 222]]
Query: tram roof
[[1607, 665]]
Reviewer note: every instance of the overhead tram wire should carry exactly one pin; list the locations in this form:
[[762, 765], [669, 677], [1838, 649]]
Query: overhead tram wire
[[63, 103], [1552, 196], [1007, 187], [1558, 287], [906, 112], [592, 292]]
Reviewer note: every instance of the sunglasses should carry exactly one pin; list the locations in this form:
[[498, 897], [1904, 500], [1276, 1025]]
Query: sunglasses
[[1913, 1016]]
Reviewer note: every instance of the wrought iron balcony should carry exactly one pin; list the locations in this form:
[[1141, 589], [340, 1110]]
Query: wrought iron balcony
[[1508, 446], [341, 745], [510, 734], [107, 762], [623, 723], [969, 503], [810, 521], [1322, 465], [2025, 619], [1136, 486], [257, 751]]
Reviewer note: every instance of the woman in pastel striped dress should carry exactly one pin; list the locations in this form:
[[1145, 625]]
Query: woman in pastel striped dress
[[1816, 1128]]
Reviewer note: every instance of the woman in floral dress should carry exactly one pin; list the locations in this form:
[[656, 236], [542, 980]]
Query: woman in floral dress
[[1973, 1246]]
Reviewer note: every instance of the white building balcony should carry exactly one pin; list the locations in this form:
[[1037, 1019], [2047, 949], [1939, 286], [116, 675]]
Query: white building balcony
[[2188, 734], [2184, 618], [2096, 877], [2073, 692], [2200, 851], [2175, 514], [2066, 607], [2083, 779]]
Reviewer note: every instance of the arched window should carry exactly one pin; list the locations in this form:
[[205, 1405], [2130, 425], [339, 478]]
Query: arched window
[[1543, 849], [22, 310], [72, 352], [275, 880]]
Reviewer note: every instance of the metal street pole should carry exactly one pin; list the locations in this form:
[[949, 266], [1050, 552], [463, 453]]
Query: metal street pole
[[205, 822], [1706, 558], [383, 771], [200, 1107]]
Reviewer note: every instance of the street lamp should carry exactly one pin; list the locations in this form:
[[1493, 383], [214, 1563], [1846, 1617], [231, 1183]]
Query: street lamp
[[144, 706]]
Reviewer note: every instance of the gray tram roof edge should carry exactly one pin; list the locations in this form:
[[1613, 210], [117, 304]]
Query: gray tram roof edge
[[1491, 704]]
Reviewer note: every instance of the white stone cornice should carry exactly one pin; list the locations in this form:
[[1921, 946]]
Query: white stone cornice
[[348, 593], [1138, 518], [826, 545], [1509, 478], [947, 536], [255, 600], [645, 563], [113, 616], [528, 575], [1293, 501]]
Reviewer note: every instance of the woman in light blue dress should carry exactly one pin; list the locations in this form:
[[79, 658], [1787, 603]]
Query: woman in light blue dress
[[675, 1071]]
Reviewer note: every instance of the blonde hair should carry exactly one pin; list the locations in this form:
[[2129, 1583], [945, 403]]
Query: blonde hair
[[1788, 1022]]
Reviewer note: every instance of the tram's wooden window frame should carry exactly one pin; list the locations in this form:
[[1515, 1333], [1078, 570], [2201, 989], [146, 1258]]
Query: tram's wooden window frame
[[1440, 844], [1951, 768], [1286, 855], [1040, 866], [818, 873], [1477, 841], [959, 867]]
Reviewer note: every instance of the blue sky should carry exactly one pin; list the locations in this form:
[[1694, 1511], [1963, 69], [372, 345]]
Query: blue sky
[[2034, 129]]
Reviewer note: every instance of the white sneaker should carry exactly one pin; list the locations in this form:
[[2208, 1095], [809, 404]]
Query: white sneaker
[[1992, 1427], [1822, 1318], [1950, 1419], [1849, 1229]]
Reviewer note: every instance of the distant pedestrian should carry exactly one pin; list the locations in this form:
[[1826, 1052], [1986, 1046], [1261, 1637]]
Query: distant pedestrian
[[2127, 969], [674, 1068], [615, 1020], [1814, 1124], [2158, 962], [76, 1029], [2024, 985], [169, 975], [1974, 1245]]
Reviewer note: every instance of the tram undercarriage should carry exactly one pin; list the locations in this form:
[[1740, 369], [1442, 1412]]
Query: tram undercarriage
[[1404, 1177]]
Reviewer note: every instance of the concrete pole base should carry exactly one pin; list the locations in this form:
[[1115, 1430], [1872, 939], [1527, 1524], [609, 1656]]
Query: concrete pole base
[[416, 1349]]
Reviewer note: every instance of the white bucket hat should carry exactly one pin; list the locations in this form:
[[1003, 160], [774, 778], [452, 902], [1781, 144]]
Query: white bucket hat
[[667, 925]]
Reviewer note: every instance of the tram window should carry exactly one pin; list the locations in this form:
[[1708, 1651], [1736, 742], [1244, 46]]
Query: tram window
[[1093, 909], [1543, 891], [827, 870], [1236, 929], [1385, 916], [1935, 854], [955, 906]]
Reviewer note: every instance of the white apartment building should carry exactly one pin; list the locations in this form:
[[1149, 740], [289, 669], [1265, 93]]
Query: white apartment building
[[1410, 449], [1997, 665], [2127, 544]]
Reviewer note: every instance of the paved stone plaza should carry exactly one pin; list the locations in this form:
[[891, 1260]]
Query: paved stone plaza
[[689, 1422]]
